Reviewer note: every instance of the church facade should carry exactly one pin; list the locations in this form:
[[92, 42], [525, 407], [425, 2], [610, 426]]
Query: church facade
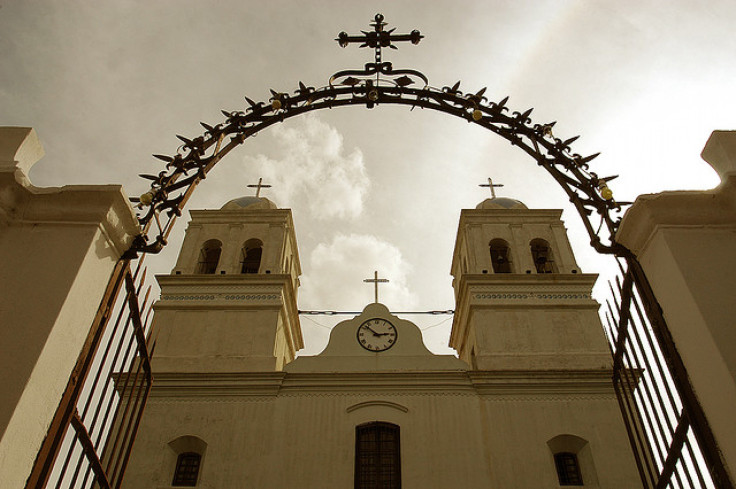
[[529, 403]]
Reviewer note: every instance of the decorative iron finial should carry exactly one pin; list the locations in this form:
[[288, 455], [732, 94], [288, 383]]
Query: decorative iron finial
[[258, 186], [379, 38], [370, 77], [491, 185], [375, 281]]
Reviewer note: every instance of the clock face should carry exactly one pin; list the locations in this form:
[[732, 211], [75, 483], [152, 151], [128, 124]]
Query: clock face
[[377, 335]]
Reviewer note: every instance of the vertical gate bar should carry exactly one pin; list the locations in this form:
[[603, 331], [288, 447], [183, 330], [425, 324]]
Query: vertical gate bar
[[104, 358], [89, 451], [50, 446], [644, 388], [634, 438], [695, 463], [664, 373], [655, 361], [67, 459], [674, 453], [148, 379], [691, 405], [134, 315], [655, 395], [111, 372], [137, 386], [126, 458], [109, 376], [625, 397]]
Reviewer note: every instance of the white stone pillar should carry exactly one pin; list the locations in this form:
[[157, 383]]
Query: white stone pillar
[[58, 249], [686, 244]]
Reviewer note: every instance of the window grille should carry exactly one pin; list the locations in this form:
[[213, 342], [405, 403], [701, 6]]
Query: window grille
[[187, 469], [377, 456], [568, 469]]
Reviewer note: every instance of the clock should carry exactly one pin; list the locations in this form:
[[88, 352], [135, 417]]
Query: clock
[[376, 335]]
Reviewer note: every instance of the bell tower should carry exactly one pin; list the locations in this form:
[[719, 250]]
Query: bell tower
[[229, 304], [521, 301]]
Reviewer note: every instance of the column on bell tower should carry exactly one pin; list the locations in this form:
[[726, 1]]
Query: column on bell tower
[[229, 304], [521, 301]]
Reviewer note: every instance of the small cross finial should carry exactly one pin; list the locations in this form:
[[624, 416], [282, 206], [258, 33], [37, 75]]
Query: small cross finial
[[492, 186], [258, 186], [375, 281]]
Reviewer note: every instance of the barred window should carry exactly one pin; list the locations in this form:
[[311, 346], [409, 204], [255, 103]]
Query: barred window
[[377, 456], [187, 469], [568, 469]]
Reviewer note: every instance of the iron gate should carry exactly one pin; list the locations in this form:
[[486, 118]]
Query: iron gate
[[92, 433], [668, 431]]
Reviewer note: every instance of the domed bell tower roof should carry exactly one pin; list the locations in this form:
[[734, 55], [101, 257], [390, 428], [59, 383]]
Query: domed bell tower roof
[[249, 202], [501, 203]]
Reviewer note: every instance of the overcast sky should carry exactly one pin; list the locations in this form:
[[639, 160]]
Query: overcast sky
[[106, 84]]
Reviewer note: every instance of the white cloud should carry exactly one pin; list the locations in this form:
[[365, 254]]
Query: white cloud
[[312, 170], [337, 270]]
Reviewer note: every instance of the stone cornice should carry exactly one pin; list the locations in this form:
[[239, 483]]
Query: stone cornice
[[487, 384], [506, 216], [227, 290], [230, 216]]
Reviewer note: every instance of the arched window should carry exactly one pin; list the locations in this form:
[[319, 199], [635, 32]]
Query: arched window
[[573, 461], [187, 469], [209, 256], [186, 456], [500, 256], [568, 469], [542, 256], [250, 260], [377, 456]]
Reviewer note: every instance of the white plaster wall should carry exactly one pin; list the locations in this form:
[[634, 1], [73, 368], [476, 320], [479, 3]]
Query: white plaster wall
[[452, 439], [59, 247]]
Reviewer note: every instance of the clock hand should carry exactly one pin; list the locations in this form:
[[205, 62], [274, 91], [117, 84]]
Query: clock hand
[[369, 329]]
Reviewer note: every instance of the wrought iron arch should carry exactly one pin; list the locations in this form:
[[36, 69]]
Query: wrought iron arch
[[378, 83]]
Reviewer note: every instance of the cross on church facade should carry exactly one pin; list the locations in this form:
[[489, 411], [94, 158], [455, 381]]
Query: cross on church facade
[[492, 186], [378, 38], [375, 281], [258, 186]]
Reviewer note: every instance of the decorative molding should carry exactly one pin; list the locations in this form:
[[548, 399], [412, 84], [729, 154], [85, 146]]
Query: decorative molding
[[367, 404], [225, 297], [567, 295]]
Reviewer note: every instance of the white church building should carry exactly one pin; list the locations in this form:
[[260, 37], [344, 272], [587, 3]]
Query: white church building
[[529, 403]]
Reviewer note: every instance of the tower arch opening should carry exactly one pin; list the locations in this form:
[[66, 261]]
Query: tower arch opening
[[250, 256], [209, 257], [542, 256], [500, 256]]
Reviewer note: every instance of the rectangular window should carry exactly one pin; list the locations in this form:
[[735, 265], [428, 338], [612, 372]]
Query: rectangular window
[[377, 456]]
